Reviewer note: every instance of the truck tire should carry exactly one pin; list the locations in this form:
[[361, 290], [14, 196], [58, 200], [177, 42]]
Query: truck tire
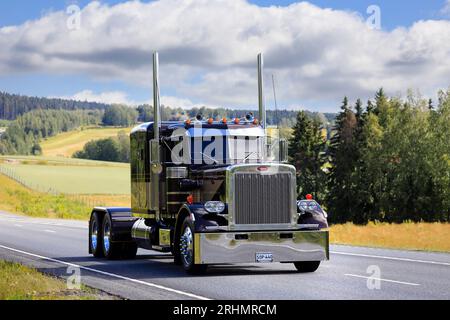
[[111, 250], [115, 250], [187, 249], [307, 266], [96, 236]]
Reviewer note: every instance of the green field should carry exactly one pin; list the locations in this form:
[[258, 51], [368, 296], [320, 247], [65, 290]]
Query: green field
[[68, 176], [66, 144]]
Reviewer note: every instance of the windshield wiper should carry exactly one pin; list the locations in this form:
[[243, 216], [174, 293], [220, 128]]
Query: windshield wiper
[[249, 155]]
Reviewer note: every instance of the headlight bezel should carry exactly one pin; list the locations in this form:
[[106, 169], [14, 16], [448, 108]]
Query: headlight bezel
[[214, 206]]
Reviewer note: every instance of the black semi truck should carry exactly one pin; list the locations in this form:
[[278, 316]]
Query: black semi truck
[[210, 192]]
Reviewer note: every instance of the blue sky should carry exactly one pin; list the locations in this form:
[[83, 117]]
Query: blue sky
[[66, 82], [394, 12]]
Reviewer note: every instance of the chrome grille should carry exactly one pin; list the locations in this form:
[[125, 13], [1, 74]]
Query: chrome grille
[[262, 199]]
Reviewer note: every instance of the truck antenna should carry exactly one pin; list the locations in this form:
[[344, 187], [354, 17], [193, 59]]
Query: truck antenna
[[261, 102], [275, 101]]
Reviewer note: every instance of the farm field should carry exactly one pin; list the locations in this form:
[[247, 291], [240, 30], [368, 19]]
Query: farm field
[[67, 143], [68, 176], [16, 198]]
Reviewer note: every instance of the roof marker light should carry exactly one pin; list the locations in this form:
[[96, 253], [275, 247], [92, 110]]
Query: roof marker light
[[309, 197]]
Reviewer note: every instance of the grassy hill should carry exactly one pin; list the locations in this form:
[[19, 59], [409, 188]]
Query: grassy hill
[[66, 144]]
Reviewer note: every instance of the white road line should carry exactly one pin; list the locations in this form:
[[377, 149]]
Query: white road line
[[50, 231], [390, 258], [18, 225], [149, 284], [46, 223], [379, 279]]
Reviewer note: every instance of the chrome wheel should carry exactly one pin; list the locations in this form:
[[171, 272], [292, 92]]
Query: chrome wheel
[[94, 234], [106, 237], [187, 247]]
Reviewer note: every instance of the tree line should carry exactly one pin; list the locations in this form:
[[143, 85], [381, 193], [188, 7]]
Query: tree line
[[283, 117], [386, 161], [13, 105]]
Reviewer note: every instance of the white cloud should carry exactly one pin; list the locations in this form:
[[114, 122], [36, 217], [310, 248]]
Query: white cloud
[[208, 51], [111, 97], [120, 97]]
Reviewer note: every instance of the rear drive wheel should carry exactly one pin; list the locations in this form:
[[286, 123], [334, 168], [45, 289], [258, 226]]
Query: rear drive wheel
[[187, 249], [115, 250], [95, 236], [307, 266], [111, 250]]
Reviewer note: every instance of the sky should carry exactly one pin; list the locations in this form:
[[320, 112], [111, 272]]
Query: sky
[[318, 51]]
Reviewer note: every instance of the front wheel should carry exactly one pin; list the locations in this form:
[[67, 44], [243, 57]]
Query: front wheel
[[187, 249], [307, 266]]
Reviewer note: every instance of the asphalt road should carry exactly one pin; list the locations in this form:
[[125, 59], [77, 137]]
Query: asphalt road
[[59, 247]]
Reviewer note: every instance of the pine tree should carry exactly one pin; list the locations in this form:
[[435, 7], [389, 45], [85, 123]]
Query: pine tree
[[342, 156], [306, 152]]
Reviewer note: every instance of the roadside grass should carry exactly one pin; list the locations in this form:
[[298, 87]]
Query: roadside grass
[[16, 198], [68, 176], [67, 143], [18, 282], [407, 235]]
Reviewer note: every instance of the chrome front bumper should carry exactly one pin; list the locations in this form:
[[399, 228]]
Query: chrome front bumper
[[285, 246]]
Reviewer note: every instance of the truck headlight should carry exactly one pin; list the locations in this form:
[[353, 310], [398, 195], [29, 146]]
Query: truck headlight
[[302, 205], [214, 206], [308, 205]]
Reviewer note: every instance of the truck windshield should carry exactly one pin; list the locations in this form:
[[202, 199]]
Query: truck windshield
[[227, 149]]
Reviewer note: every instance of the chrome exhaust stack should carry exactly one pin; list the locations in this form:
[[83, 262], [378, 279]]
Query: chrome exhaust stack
[[155, 151], [261, 99], [156, 101]]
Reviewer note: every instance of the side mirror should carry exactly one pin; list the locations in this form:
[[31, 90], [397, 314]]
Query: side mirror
[[284, 147]]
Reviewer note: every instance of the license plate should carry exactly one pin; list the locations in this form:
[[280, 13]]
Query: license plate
[[264, 257]]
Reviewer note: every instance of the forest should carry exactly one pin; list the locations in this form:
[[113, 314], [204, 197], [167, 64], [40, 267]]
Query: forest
[[14, 105], [386, 161]]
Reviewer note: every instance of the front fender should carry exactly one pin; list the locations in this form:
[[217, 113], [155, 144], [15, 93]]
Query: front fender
[[313, 217], [201, 218]]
